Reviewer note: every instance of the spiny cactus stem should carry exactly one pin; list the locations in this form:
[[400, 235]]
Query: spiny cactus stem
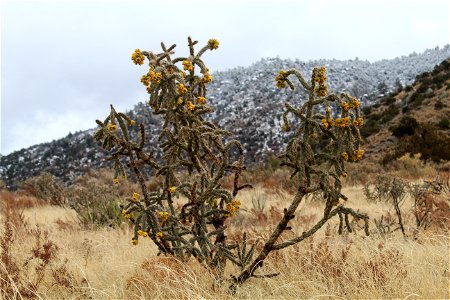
[[341, 223], [236, 187], [269, 245], [307, 233], [138, 174], [299, 77], [191, 46]]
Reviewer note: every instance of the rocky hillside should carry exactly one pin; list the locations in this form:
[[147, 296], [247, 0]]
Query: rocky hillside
[[422, 104], [246, 102]]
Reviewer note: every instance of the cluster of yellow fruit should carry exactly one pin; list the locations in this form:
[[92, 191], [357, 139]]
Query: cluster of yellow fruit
[[142, 233], [280, 79], [188, 66], [232, 207], [201, 100], [356, 155], [137, 57], [341, 122], [163, 215], [151, 77], [207, 78], [358, 122], [213, 43], [112, 127], [320, 78], [353, 104], [135, 197], [181, 89], [126, 214], [338, 122]]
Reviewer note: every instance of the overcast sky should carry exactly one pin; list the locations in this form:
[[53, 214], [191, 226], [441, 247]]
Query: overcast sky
[[63, 63]]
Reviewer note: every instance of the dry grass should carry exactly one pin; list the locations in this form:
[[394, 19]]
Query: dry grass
[[103, 264]]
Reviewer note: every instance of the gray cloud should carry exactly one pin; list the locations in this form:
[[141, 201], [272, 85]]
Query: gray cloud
[[64, 63]]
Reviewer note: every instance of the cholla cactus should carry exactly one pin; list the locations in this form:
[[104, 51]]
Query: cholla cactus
[[389, 189], [189, 143], [381, 189], [317, 151]]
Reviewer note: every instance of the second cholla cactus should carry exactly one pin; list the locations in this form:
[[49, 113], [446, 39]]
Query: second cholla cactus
[[323, 141], [316, 153]]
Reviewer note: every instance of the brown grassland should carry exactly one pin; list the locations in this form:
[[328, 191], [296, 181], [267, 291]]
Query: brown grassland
[[47, 253]]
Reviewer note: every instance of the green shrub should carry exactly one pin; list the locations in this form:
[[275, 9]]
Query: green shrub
[[389, 100], [45, 187], [438, 105], [369, 128], [366, 110], [444, 123], [406, 126], [96, 205], [431, 144], [390, 113]]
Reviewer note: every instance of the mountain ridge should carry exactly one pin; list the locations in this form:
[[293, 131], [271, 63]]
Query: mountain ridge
[[246, 102]]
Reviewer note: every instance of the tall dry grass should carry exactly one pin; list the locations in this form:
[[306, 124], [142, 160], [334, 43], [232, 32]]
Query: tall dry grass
[[101, 263]]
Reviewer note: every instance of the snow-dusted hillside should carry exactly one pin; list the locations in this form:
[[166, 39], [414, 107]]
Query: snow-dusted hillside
[[246, 102]]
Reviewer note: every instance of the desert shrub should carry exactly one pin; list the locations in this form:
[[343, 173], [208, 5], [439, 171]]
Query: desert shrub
[[444, 123], [417, 97], [96, 205], [390, 113], [370, 127], [430, 143], [102, 177], [272, 163], [366, 110], [406, 126], [23, 278], [360, 174], [96, 202], [316, 154], [438, 105], [45, 187], [389, 100], [431, 203], [259, 199], [12, 208]]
